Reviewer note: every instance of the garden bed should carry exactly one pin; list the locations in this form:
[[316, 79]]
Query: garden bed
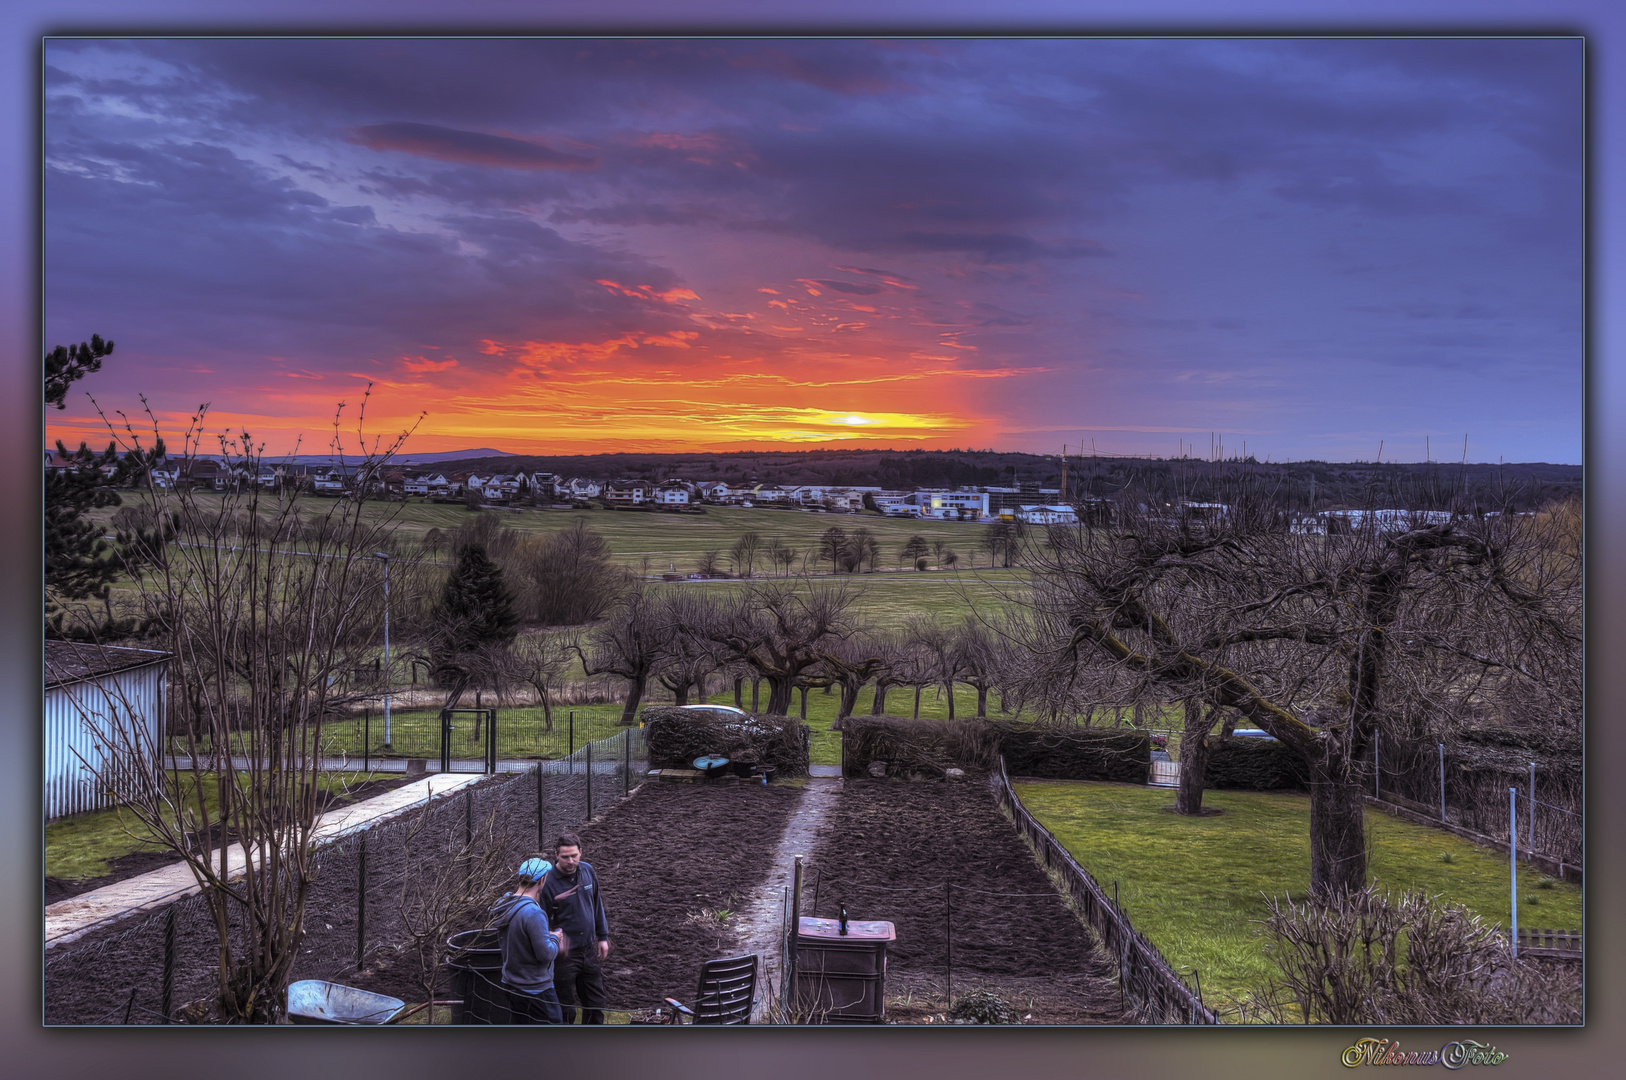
[[669, 852], [888, 850]]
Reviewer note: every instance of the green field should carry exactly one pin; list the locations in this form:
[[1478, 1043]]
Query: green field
[[521, 734], [1195, 886]]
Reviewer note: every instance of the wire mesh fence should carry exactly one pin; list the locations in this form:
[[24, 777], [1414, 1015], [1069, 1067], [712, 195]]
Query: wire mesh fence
[[1155, 991], [163, 968], [1465, 790]]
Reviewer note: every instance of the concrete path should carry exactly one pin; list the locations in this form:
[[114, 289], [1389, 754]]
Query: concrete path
[[761, 919], [460, 766], [70, 919]]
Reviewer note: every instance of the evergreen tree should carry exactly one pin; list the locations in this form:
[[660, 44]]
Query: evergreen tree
[[78, 563], [475, 614]]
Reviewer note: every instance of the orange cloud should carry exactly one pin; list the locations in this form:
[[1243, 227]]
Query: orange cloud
[[423, 364]]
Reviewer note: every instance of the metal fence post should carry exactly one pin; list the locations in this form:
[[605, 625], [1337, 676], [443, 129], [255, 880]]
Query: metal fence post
[[491, 741], [366, 742], [572, 752], [1513, 860], [626, 762], [445, 740], [166, 994], [1530, 845], [1442, 781], [361, 901], [589, 749]]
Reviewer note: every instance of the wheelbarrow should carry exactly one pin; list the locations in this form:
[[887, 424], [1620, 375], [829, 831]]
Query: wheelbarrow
[[316, 1001]]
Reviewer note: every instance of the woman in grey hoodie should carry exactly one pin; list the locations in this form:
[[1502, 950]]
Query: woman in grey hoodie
[[528, 948]]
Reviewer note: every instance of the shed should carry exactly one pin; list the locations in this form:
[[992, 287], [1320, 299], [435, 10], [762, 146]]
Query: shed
[[90, 689]]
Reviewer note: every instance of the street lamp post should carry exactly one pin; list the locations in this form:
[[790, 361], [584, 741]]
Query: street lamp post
[[386, 560]]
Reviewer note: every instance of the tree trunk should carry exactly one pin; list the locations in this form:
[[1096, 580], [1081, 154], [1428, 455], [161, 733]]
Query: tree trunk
[[849, 700], [756, 688], [982, 703], [680, 696], [878, 707], [917, 703], [635, 692], [778, 697], [739, 683], [1337, 830], [949, 689], [804, 702], [1194, 751], [547, 712]]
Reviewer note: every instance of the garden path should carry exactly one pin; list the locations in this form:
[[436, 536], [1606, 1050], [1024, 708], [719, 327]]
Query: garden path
[[70, 919], [761, 919]]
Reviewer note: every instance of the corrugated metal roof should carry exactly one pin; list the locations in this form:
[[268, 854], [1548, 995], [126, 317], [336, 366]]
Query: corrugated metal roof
[[72, 661]]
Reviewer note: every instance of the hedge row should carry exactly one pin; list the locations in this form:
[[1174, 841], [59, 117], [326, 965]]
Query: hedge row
[[917, 747], [1254, 764], [675, 737]]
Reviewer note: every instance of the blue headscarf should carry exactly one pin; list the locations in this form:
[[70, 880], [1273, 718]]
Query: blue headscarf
[[534, 870]]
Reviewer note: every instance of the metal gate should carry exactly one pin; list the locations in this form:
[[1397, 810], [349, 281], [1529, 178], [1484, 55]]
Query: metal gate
[[466, 734]]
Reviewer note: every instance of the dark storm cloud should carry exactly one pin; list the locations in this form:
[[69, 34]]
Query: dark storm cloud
[[199, 234], [468, 147]]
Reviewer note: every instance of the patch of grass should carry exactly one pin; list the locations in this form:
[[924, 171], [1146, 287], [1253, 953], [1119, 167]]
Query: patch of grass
[[520, 732], [1196, 886], [79, 847]]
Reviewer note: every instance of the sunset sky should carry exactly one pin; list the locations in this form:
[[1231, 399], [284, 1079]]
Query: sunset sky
[[580, 245]]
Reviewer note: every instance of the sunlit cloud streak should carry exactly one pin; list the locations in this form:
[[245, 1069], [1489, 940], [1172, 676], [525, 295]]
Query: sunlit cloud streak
[[728, 243]]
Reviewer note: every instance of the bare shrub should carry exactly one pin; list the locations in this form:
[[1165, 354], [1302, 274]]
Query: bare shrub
[[1362, 957]]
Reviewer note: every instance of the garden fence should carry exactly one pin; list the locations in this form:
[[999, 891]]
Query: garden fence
[[1150, 984], [149, 972]]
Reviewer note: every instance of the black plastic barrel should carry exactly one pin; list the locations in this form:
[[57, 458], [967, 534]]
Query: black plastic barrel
[[475, 957]]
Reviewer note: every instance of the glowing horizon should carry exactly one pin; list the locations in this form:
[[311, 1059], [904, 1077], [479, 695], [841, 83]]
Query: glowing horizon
[[578, 246]]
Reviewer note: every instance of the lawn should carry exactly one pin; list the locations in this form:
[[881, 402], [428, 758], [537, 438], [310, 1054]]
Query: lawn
[[79, 847], [1196, 886]]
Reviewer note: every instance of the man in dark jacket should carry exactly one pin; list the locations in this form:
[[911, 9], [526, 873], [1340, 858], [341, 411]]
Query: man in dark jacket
[[528, 947], [571, 896]]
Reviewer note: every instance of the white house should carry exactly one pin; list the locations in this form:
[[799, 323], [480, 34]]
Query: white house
[[1048, 515], [99, 701], [673, 493], [580, 487], [716, 491]]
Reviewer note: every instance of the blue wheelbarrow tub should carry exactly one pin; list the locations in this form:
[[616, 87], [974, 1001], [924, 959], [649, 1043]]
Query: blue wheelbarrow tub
[[315, 1001]]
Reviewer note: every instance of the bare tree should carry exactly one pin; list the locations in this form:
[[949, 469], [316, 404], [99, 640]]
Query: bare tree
[[689, 656], [709, 563], [632, 643], [977, 659], [936, 645], [778, 631], [1319, 640], [744, 553], [446, 880], [852, 661], [566, 578], [831, 544], [261, 617], [542, 661]]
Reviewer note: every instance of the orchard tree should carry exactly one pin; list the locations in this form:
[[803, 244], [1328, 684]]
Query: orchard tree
[[1322, 641]]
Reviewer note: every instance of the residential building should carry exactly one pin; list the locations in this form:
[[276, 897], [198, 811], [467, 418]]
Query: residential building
[[1048, 515], [674, 493], [952, 505]]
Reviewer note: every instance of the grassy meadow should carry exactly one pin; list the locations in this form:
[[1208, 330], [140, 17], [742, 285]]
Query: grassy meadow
[[1196, 886]]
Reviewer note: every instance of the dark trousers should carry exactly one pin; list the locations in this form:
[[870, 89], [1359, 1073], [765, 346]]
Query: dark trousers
[[579, 977], [540, 1008]]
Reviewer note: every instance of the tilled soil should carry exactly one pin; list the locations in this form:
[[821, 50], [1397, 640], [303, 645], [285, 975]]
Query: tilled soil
[[664, 857], [892, 850]]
